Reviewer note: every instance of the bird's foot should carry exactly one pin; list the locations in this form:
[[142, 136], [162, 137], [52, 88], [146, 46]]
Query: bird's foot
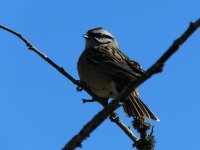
[[79, 87]]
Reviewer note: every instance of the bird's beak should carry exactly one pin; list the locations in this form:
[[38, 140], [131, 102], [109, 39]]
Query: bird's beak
[[86, 36]]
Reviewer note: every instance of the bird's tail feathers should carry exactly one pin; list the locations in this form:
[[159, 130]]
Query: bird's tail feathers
[[133, 106]]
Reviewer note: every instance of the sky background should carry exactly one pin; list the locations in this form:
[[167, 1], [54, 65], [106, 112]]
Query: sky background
[[41, 110]]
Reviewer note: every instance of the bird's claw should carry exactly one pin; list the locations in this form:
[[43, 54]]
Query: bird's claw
[[79, 88]]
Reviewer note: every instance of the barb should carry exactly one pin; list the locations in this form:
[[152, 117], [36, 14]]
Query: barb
[[31, 47], [115, 118]]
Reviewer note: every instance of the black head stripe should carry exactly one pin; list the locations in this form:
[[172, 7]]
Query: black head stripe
[[99, 35], [98, 28]]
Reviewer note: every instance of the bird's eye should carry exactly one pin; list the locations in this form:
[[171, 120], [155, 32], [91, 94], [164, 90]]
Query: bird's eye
[[98, 34]]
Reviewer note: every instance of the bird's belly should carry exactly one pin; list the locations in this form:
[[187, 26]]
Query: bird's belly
[[105, 92], [103, 87], [101, 84]]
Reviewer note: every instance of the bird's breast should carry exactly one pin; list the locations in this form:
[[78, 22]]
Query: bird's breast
[[100, 83]]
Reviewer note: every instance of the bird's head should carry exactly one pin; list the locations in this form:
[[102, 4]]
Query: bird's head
[[99, 36]]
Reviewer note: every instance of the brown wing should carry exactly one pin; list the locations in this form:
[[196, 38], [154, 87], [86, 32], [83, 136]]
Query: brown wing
[[123, 70], [114, 62]]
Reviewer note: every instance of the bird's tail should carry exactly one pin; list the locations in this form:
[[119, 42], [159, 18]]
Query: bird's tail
[[133, 106]]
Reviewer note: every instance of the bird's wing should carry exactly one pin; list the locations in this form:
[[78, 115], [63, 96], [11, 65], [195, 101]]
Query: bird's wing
[[114, 62]]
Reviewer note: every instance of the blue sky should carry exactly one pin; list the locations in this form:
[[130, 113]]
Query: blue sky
[[41, 110]]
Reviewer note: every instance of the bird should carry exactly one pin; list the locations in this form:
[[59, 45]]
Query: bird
[[106, 70]]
